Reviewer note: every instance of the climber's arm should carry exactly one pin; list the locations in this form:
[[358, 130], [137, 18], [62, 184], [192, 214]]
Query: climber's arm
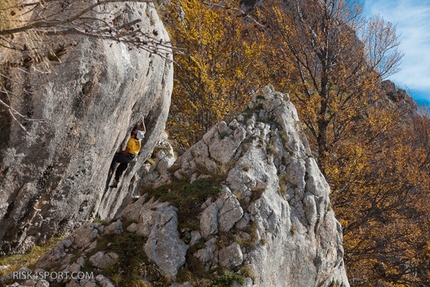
[[143, 126]]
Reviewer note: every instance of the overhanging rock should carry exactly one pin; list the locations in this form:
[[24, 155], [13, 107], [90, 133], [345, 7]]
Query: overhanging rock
[[85, 108]]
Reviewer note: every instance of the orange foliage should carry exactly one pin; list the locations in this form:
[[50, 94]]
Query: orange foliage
[[366, 144], [375, 152], [216, 72]]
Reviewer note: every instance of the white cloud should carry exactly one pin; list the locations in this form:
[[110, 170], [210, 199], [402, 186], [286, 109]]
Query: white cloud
[[411, 18]]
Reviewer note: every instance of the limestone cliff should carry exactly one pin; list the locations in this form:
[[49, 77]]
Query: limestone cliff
[[256, 213], [83, 109], [273, 184]]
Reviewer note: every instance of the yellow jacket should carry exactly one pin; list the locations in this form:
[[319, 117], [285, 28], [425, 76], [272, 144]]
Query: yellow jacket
[[133, 146]]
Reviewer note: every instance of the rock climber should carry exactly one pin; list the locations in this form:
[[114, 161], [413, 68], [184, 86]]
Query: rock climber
[[126, 156]]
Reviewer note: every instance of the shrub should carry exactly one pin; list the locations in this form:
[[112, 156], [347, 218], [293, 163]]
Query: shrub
[[226, 280], [133, 264], [188, 198]]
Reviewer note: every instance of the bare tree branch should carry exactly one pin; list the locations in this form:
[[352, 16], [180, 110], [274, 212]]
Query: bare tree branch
[[36, 20], [17, 116], [45, 22]]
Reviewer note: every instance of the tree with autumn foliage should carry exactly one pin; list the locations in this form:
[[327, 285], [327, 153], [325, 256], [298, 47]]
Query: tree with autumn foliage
[[332, 72], [379, 180], [362, 139], [332, 63], [217, 67]]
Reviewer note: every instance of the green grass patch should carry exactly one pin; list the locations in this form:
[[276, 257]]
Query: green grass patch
[[28, 259], [188, 198], [129, 247], [133, 266], [227, 280], [194, 271]]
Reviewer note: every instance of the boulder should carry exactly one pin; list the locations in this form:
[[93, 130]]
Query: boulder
[[104, 260], [231, 256], [159, 223]]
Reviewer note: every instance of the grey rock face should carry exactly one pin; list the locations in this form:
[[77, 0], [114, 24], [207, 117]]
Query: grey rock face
[[221, 215], [209, 221], [207, 255], [54, 178], [230, 211], [104, 282], [83, 240], [104, 260], [274, 196], [163, 157], [271, 223], [114, 228], [231, 256], [158, 222]]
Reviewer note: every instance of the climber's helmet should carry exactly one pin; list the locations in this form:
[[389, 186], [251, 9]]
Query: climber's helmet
[[140, 135]]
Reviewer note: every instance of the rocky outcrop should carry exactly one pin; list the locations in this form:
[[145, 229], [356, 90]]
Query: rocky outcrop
[[158, 222], [275, 200], [157, 167], [398, 98], [53, 177], [268, 224]]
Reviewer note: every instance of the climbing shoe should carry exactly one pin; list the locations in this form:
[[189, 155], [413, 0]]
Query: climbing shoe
[[114, 185]]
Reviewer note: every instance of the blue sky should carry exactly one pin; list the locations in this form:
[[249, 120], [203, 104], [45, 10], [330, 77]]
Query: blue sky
[[412, 20]]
